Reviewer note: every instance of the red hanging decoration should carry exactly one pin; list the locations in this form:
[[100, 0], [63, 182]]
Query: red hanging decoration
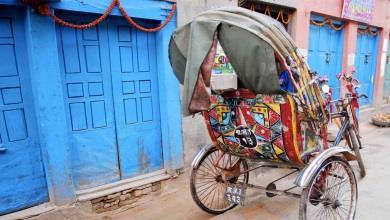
[[32, 2], [139, 27], [45, 10]]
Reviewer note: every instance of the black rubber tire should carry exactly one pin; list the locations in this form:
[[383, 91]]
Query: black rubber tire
[[306, 191], [194, 193], [356, 148]]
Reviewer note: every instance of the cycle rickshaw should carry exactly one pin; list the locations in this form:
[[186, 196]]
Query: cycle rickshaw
[[260, 124]]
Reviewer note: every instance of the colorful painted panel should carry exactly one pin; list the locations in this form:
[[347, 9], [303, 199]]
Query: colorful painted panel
[[262, 127], [250, 127]]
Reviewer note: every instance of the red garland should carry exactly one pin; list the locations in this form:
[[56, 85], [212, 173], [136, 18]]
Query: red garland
[[45, 10], [32, 2]]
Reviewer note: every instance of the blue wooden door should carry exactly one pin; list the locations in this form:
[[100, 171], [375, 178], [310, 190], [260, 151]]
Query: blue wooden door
[[137, 114], [386, 92], [22, 177], [325, 53], [110, 83], [88, 99], [365, 64]]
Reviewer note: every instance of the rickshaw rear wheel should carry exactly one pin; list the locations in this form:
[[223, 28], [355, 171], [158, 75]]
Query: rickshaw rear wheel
[[331, 193], [206, 183]]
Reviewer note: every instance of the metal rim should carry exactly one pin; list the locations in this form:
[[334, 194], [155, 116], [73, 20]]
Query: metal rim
[[207, 186], [332, 193]]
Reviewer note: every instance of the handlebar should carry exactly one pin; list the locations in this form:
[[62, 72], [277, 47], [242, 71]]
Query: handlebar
[[351, 85], [362, 96], [347, 100], [349, 78]]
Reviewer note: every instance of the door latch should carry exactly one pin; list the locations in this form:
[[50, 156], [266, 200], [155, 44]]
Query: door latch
[[327, 58], [2, 149], [366, 59]]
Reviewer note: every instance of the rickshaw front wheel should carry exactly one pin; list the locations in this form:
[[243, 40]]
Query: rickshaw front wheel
[[207, 185], [332, 192]]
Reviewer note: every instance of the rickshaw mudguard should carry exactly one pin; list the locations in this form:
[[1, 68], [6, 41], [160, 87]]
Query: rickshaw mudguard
[[305, 176], [200, 154]]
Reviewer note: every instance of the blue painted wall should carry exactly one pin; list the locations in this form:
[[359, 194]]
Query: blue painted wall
[[170, 103], [49, 105], [98, 119]]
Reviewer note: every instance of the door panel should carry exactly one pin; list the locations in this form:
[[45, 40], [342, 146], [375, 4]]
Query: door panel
[[22, 177], [387, 77], [135, 91], [325, 54], [87, 87], [365, 64], [110, 82]]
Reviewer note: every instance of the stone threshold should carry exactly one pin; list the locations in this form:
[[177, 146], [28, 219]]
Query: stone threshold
[[100, 191], [29, 212], [385, 106], [366, 112]]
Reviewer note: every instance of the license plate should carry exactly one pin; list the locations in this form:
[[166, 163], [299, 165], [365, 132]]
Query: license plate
[[235, 193]]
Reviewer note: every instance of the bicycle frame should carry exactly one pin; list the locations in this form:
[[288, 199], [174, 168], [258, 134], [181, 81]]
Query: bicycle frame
[[345, 125], [354, 104], [351, 85]]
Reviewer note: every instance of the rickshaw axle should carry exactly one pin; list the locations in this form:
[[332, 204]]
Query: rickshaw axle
[[274, 192], [270, 165], [231, 175], [234, 172]]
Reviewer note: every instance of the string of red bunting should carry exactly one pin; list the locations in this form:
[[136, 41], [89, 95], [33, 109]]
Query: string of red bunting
[[46, 10], [267, 11]]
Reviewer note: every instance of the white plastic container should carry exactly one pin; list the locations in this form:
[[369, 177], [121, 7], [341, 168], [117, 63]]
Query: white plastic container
[[223, 82], [223, 76]]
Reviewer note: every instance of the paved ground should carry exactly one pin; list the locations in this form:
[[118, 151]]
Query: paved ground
[[373, 202], [175, 202]]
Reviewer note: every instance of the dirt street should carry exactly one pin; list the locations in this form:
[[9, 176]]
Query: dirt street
[[174, 201], [373, 199]]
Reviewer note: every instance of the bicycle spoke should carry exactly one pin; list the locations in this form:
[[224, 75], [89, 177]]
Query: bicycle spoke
[[209, 189], [336, 198]]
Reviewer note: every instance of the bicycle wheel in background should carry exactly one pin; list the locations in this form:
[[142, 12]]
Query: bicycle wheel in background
[[356, 148]]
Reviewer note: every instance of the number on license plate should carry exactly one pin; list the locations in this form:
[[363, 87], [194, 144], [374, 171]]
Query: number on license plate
[[235, 193]]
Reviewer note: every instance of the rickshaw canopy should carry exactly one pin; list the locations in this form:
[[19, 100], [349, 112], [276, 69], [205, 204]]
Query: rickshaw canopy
[[251, 41]]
